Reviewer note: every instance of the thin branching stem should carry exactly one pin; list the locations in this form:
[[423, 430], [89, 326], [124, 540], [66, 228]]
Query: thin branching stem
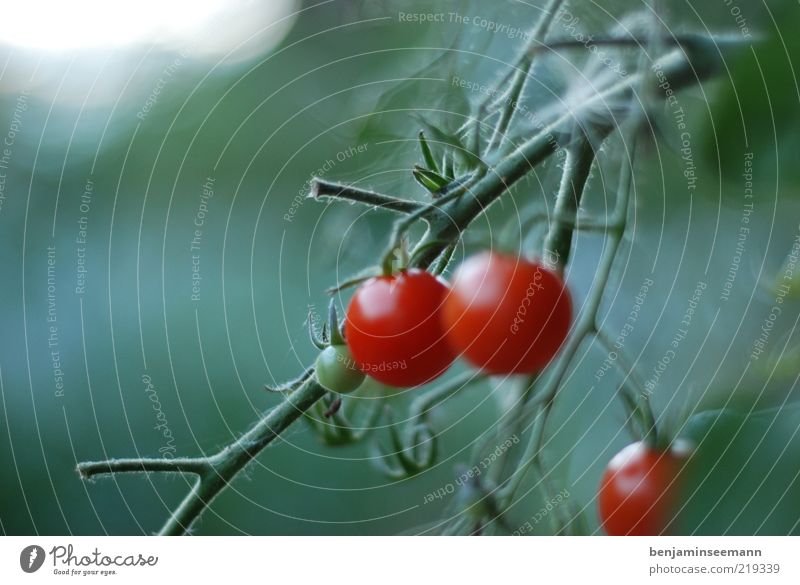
[[586, 325], [197, 466], [632, 389], [579, 160], [422, 406], [522, 72], [322, 188]]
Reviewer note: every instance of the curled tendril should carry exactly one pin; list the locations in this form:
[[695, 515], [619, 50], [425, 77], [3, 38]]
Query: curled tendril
[[417, 447], [411, 453]]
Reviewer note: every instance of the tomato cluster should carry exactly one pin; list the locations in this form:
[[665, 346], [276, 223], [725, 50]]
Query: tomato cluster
[[503, 314]]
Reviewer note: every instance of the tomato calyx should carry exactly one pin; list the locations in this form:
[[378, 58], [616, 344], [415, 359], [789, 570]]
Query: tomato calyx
[[336, 335], [396, 259]]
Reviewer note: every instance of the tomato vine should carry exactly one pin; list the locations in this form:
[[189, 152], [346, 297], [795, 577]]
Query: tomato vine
[[475, 172]]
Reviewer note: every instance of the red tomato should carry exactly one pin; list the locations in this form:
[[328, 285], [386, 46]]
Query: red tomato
[[506, 315], [638, 490], [394, 331]]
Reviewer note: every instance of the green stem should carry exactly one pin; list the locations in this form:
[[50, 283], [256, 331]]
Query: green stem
[[444, 259], [586, 325], [321, 188], [577, 167], [522, 72], [226, 464], [422, 406], [89, 469], [515, 427], [633, 392]]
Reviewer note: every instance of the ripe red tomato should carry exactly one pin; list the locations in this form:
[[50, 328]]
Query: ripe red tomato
[[394, 330], [638, 491], [506, 315]]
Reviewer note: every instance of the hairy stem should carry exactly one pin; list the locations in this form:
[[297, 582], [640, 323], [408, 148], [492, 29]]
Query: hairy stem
[[521, 73], [89, 469], [586, 325], [577, 166], [321, 188], [580, 158]]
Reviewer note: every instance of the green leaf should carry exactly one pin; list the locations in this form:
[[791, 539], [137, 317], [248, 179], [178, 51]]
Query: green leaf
[[758, 107], [742, 476], [428, 88], [700, 425]]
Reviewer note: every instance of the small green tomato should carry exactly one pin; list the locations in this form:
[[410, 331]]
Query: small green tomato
[[336, 370]]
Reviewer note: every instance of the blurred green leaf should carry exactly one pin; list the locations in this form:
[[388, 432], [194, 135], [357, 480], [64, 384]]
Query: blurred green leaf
[[743, 478], [758, 106], [428, 88]]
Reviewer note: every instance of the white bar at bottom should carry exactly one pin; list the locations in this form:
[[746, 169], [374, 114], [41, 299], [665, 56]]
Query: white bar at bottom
[[401, 560]]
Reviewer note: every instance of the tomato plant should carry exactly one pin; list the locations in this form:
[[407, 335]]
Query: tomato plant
[[393, 328], [506, 315], [639, 489]]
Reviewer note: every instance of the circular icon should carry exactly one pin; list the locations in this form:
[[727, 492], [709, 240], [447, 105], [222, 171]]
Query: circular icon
[[31, 558]]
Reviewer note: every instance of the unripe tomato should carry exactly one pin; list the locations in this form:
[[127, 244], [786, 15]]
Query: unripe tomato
[[336, 371], [506, 315], [638, 491], [394, 330]]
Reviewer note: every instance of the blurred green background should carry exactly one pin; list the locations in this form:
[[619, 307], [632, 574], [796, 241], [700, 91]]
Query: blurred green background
[[259, 119]]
